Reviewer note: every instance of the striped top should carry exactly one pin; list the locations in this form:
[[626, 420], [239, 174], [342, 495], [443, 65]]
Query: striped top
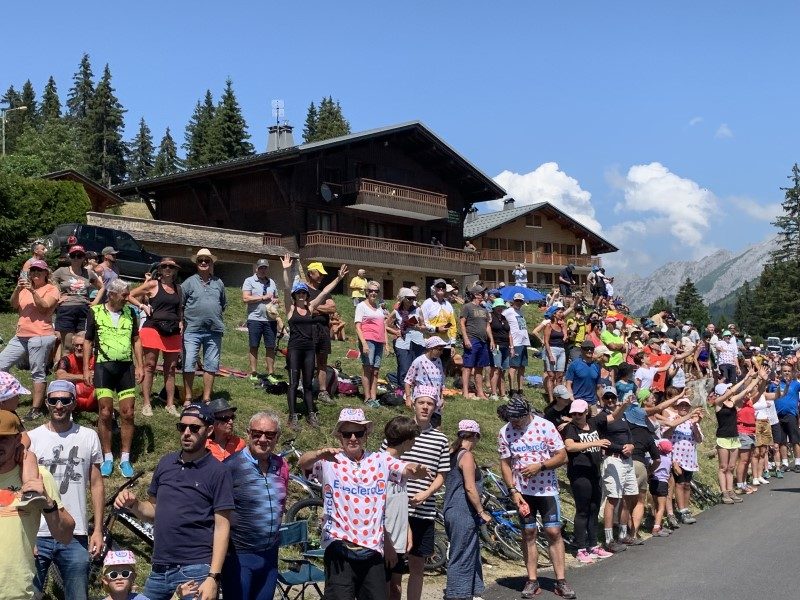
[[430, 449]]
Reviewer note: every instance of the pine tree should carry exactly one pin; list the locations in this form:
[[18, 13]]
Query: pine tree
[[14, 119], [51, 104], [330, 120], [140, 160], [55, 146], [104, 127], [197, 132], [660, 304], [689, 304], [788, 223], [82, 92], [745, 314], [310, 128], [167, 160], [227, 136], [30, 117]]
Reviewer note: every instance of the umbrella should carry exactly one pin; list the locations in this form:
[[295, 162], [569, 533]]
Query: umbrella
[[507, 293]]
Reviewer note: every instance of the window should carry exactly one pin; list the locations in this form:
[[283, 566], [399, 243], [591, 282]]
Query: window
[[331, 175], [375, 230], [488, 275], [125, 243], [517, 246], [494, 243], [324, 221], [569, 249], [533, 220], [544, 278], [544, 247]]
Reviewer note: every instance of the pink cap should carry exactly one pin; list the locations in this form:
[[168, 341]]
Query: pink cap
[[119, 557], [578, 406], [665, 446], [469, 425], [38, 264]]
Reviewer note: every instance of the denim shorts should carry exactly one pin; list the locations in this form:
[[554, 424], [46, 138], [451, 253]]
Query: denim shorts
[[374, 355], [503, 353], [210, 342], [477, 355], [520, 358], [258, 330], [747, 441], [560, 357]]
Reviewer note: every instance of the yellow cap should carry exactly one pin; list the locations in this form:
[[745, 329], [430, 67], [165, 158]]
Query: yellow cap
[[316, 266]]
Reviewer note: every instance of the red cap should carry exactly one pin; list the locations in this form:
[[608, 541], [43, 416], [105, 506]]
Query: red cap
[[77, 248]]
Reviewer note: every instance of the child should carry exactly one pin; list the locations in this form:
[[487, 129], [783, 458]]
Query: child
[[10, 391], [119, 573], [659, 486], [685, 435]]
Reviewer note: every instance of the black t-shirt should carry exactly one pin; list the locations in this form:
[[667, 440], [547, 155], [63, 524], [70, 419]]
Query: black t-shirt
[[566, 274], [618, 432], [500, 329], [589, 458], [644, 442], [673, 333], [552, 414], [318, 319]]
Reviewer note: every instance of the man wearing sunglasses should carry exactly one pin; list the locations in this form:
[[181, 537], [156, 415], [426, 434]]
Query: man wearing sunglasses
[[72, 454], [190, 500], [223, 442], [204, 302], [260, 478]]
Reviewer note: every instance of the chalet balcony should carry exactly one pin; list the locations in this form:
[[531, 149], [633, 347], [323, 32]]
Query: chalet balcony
[[538, 258], [331, 247], [380, 197]]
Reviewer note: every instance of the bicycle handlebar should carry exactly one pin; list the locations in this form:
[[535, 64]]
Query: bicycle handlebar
[[124, 486]]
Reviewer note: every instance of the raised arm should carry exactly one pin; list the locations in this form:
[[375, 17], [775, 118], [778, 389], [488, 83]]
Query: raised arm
[[286, 263], [327, 289]]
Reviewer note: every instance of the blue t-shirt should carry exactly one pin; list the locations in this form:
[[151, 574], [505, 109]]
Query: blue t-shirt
[[259, 501], [187, 496], [787, 403], [256, 310], [203, 304], [584, 377], [624, 388]]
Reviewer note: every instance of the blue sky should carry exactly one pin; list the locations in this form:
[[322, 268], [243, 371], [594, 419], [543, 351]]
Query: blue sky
[[672, 125]]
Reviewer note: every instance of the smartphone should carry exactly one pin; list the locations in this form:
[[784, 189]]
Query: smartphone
[[412, 320], [24, 275]]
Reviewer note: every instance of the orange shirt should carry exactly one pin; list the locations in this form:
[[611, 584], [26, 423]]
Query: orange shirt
[[33, 321], [658, 360], [235, 443]]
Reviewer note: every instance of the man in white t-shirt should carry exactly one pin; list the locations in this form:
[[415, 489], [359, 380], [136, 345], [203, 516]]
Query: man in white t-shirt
[[520, 338], [520, 275], [72, 454]]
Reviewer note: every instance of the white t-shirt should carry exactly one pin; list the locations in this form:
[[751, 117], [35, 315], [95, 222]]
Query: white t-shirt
[[518, 326], [646, 375], [69, 456], [761, 408]]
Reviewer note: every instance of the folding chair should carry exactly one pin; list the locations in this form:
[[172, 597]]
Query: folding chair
[[301, 572]]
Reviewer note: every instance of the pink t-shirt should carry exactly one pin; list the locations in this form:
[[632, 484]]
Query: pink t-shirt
[[373, 322], [34, 321], [354, 497], [536, 444]]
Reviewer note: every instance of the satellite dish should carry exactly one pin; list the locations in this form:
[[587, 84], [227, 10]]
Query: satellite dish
[[326, 192]]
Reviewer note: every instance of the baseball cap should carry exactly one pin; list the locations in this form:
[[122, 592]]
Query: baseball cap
[[199, 411], [578, 406], [77, 248], [518, 296], [610, 389], [10, 423], [643, 394], [434, 342], [119, 557], [300, 287], [587, 345], [440, 283], [109, 250], [39, 264], [601, 350], [664, 446], [405, 293], [262, 262], [683, 401], [726, 333], [561, 391], [721, 388], [61, 385], [476, 289], [448, 288], [316, 266]]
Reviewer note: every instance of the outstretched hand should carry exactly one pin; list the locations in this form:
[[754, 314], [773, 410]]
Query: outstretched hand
[[343, 271], [286, 261]]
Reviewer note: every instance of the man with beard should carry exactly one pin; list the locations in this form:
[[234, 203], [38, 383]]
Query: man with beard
[[107, 270], [190, 500]]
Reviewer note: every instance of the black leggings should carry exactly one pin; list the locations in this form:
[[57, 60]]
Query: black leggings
[[587, 494], [301, 361]]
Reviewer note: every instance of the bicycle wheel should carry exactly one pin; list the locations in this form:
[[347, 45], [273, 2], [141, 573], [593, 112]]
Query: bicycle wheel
[[308, 510], [509, 541], [438, 560]]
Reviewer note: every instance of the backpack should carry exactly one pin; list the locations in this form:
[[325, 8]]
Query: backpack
[[331, 382], [395, 397], [348, 386]]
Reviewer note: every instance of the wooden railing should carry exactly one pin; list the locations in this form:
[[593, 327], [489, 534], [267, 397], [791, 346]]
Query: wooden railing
[[360, 249], [390, 195], [539, 258]]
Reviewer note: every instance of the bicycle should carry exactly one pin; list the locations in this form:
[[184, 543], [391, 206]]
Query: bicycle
[[703, 496], [310, 488]]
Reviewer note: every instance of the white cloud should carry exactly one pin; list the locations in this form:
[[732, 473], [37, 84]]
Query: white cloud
[[695, 121], [724, 132], [657, 193], [762, 212], [547, 183]]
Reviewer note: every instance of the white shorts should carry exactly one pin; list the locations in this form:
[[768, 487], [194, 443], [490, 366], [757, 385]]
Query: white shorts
[[619, 477]]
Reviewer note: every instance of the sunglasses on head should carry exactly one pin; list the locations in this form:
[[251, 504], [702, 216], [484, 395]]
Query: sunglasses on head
[[256, 434], [193, 427], [359, 434], [122, 574], [226, 418], [54, 400]]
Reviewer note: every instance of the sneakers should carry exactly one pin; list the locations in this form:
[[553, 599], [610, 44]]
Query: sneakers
[[294, 423], [33, 414], [727, 499], [147, 410], [599, 553], [796, 468], [673, 522], [659, 532], [32, 500], [632, 540], [778, 474], [765, 475], [107, 468], [563, 589], [614, 547], [688, 519], [372, 403], [254, 378], [172, 410], [784, 467], [272, 379], [584, 557], [313, 421], [126, 468], [531, 589], [763, 480], [325, 398], [756, 481]]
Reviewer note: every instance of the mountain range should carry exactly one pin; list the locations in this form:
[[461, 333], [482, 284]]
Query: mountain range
[[717, 277]]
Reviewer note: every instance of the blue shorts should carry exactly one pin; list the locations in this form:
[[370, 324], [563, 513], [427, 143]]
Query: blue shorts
[[520, 358], [505, 357], [258, 330], [374, 356], [210, 342], [478, 355]]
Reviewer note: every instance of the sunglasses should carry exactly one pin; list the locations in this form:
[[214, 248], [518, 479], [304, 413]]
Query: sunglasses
[[77, 256], [123, 574], [168, 267], [226, 418], [255, 434], [193, 427], [53, 401], [36, 271], [203, 261], [373, 291], [348, 434]]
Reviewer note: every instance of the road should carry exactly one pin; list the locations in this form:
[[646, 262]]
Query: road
[[746, 550]]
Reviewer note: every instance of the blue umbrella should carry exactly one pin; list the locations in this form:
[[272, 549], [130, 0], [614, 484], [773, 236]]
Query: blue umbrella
[[507, 293]]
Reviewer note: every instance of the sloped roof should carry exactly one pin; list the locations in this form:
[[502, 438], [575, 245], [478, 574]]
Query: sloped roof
[[481, 186], [484, 223], [100, 196]]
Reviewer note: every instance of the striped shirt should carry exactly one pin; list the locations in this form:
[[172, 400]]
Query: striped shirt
[[430, 449], [259, 501]]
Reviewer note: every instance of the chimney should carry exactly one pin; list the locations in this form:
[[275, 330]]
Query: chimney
[[508, 204], [280, 137], [470, 215]]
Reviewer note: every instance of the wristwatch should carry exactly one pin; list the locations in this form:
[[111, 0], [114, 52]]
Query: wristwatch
[[215, 576], [51, 508]]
